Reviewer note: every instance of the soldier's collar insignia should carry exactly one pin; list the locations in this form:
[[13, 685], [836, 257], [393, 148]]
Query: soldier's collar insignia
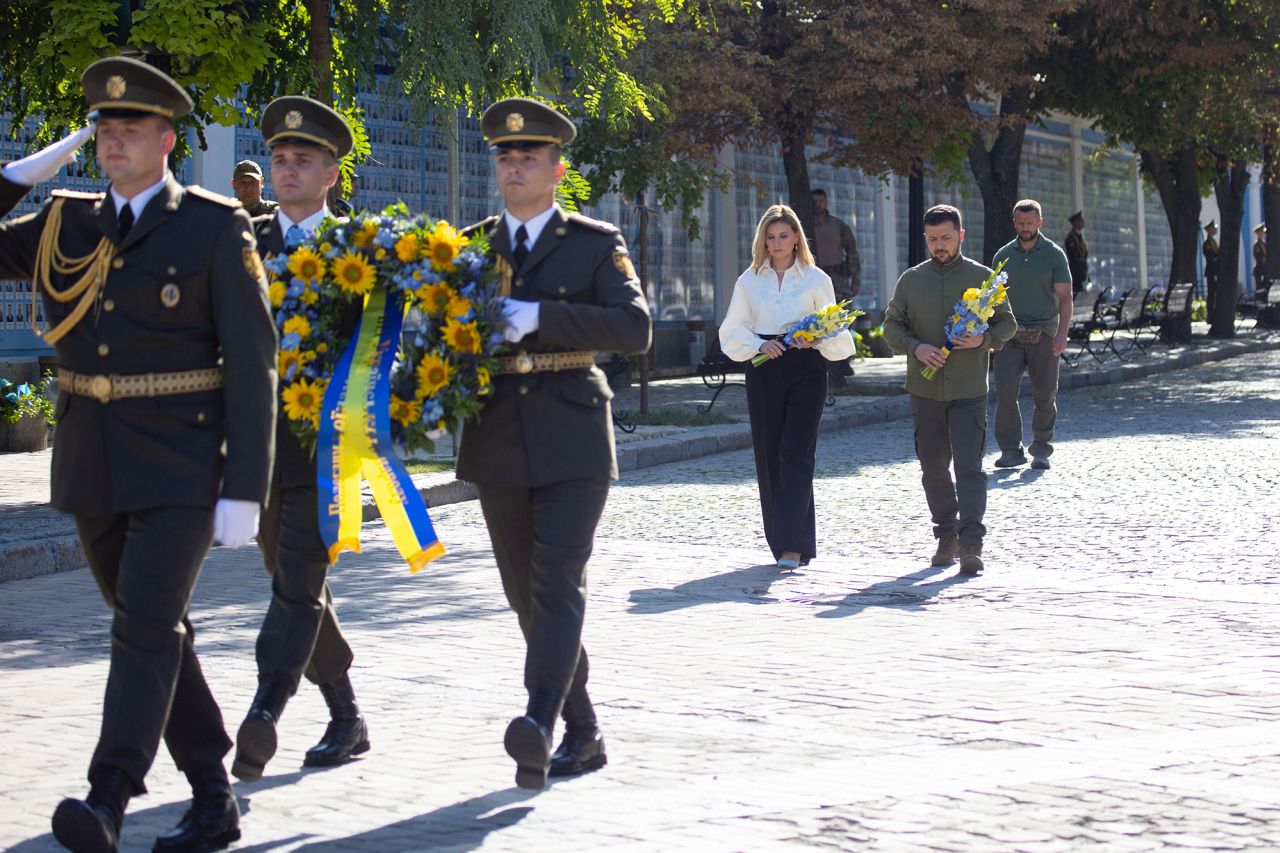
[[116, 86], [293, 119], [515, 122]]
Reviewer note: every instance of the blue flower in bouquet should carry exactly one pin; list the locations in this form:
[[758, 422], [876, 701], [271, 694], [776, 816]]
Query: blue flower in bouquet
[[290, 341], [825, 323]]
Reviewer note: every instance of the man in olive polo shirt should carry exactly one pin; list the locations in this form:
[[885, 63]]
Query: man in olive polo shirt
[[1040, 295], [950, 410]]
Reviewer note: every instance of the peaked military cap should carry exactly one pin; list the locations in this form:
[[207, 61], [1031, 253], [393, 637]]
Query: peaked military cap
[[122, 87], [294, 118], [1260, 227], [1079, 214], [525, 123], [1212, 223]]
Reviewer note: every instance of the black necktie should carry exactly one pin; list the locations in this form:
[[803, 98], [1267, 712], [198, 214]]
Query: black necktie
[[125, 221], [520, 251]]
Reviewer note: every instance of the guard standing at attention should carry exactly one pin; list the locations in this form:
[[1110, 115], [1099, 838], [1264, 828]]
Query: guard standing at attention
[[1077, 253], [157, 308], [300, 634], [541, 454]]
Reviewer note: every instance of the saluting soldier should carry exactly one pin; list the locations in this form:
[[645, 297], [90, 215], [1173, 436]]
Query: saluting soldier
[[541, 454], [1077, 253], [1211, 251], [300, 634], [157, 307], [1260, 257]]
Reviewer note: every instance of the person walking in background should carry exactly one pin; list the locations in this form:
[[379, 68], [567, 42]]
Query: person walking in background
[[246, 180], [165, 426], [1211, 251], [300, 633], [1077, 253], [1260, 257], [541, 454], [786, 394], [1039, 289], [835, 252], [950, 410]]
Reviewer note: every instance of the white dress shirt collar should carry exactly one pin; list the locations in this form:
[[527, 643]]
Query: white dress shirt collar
[[139, 201], [309, 224], [533, 227]]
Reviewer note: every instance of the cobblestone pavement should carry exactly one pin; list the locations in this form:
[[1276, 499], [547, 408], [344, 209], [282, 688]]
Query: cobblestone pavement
[[1112, 679]]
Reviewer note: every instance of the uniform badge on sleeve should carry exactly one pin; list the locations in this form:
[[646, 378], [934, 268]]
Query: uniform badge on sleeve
[[253, 264], [622, 260]]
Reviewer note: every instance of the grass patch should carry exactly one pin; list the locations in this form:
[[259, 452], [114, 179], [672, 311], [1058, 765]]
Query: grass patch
[[429, 466], [669, 416]]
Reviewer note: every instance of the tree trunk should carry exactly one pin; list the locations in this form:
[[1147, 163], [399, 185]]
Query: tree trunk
[[320, 50], [1228, 189], [1271, 206], [996, 169], [795, 134], [1176, 178]]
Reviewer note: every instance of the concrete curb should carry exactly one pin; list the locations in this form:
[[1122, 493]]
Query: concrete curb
[[60, 552]]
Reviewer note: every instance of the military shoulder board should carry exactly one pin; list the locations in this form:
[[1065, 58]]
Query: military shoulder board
[[483, 226], [594, 224], [209, 195]]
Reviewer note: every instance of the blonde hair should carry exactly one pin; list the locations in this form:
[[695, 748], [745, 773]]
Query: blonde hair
[[784, 214]]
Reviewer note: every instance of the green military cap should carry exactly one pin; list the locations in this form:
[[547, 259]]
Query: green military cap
[[247, 167], [122, 87], [1212, 223], [525, 123], [294, 118]]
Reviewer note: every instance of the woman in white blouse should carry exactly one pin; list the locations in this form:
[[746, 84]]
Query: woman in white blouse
[[786, 394]]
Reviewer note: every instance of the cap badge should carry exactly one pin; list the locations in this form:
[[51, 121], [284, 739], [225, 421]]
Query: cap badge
[[293, 119], [515, 122], [116, 86]]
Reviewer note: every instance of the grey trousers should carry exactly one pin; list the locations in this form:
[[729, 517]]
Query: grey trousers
[[1041, 364], [953, 432]]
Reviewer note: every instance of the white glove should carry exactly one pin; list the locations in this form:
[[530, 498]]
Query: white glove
[[45, 163], [522, 319], [235, 523]]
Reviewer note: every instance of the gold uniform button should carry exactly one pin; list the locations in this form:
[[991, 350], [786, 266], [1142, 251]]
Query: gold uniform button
[[117, 264], [524, 389], [200, 417], [173, 270], [103, 349], [108, 305], [562, 289], [519, 282], [595, 401]]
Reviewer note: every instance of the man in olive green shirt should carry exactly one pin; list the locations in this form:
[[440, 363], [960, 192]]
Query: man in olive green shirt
[[950, 410], [1040, 294]]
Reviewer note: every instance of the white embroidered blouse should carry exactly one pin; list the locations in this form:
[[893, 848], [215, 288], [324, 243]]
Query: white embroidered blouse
[[760, 306]]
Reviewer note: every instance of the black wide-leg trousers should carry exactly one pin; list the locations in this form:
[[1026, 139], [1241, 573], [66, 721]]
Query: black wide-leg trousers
[[785, 398]]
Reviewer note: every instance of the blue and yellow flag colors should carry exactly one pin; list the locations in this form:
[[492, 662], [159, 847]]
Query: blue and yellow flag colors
[[354, 443]]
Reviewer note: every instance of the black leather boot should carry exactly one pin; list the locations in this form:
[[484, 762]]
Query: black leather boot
[[346, 735], [213, 820], [92, 825], [256, 740], [528, 738], [582, 748]]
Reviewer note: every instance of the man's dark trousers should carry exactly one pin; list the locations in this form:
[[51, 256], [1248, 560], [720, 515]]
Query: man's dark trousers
[[948, 430], [146, 563], [1038, 361], [542, 538], [300, 634]]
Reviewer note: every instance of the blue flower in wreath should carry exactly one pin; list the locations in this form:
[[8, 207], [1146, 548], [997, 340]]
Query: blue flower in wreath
[[290, 341], [24, 390], [296, 288]]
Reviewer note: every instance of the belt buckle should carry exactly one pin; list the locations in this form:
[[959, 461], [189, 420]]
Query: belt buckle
[[524, 363], [100, 388]]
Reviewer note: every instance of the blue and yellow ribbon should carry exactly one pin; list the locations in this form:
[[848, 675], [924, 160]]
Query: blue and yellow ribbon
[[354, 444]]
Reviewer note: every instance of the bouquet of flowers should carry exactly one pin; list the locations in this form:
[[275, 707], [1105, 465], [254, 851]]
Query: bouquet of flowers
[[972, 313], [818, 326], [418, 361]]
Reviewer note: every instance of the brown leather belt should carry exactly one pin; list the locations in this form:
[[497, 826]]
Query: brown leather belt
[[119, 386], [542, 362]]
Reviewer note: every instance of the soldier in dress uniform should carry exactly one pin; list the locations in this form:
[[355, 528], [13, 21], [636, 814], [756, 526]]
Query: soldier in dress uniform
[[246, 180], [541, 454], [1211, 250], [154, 293], [1260, 257], [300, 634], [1077, 253]]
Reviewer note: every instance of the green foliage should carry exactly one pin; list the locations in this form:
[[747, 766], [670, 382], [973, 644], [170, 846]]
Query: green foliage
[[25, 400], [573, 191]]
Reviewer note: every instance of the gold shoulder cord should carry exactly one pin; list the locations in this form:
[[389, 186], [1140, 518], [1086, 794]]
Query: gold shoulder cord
[[50, 259]]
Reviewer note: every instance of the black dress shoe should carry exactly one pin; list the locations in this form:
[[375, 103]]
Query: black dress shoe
[[256, 740], [347, 735], [92, 825], [529, 743], [210, 824], [580, 751]]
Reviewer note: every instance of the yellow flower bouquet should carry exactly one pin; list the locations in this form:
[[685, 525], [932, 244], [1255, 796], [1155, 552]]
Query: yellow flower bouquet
[[973, 312]]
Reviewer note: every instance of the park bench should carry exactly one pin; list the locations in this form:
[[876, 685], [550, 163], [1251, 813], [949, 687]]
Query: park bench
[[617, 372], [1086, 318], [715, 369], [1167, 319], [1127, 318], [1263, 305]]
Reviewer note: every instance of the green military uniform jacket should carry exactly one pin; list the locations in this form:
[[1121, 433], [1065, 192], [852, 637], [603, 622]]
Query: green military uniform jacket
[[922, 303], [1259, 264], [542, 428], [1077, 259], [185, 292]]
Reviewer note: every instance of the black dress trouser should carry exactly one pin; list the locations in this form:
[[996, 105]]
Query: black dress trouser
[[300, 633], [146, 564], [785, 398], [542, 538]]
